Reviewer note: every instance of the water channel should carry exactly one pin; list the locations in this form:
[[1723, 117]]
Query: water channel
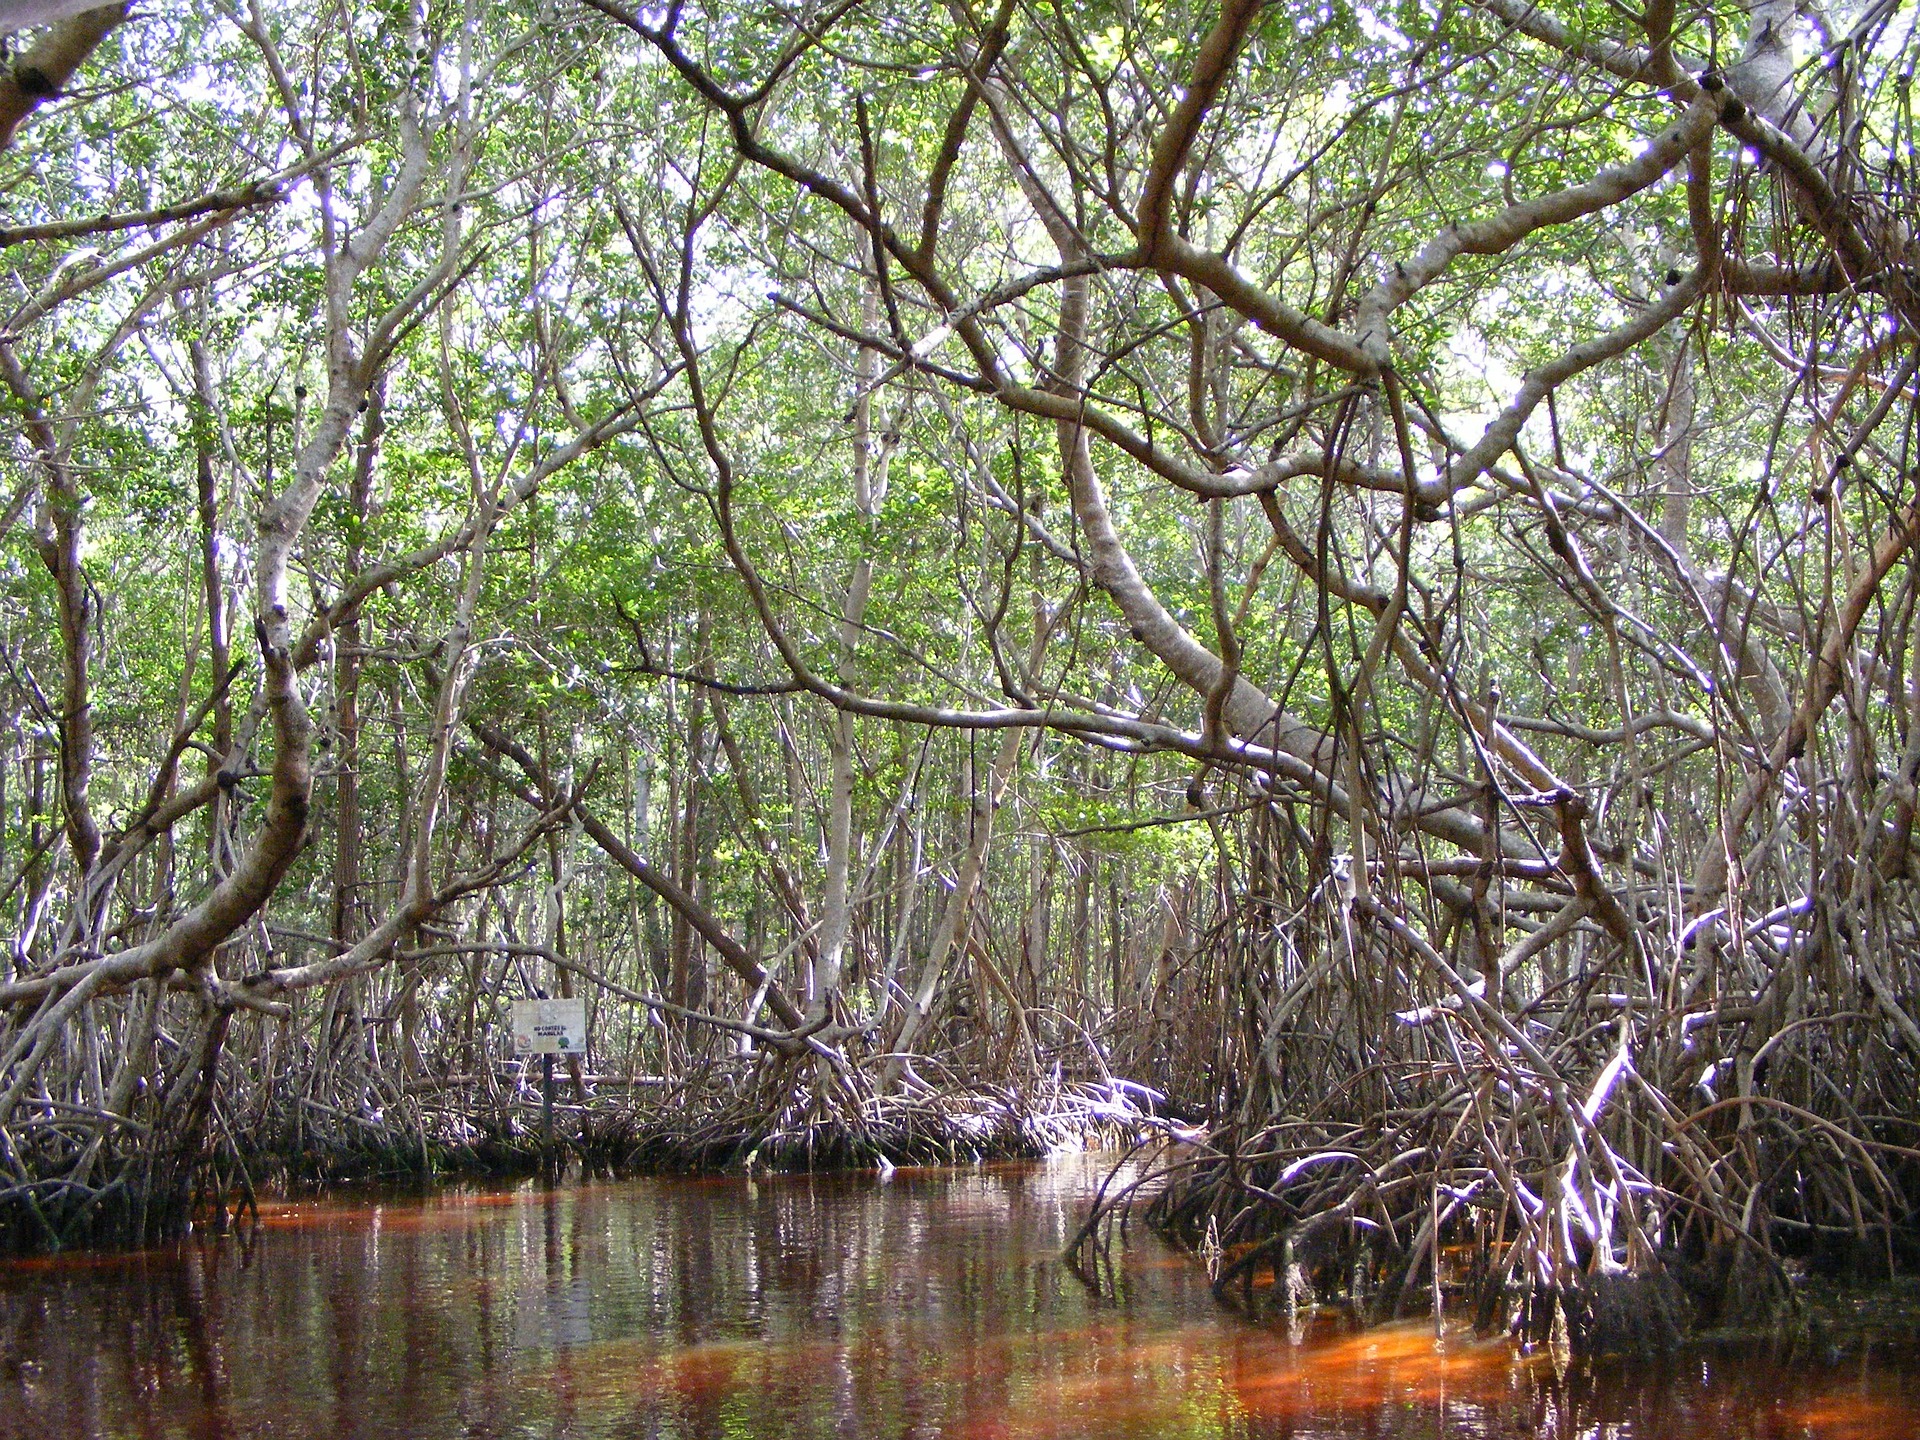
[[926, 1304]]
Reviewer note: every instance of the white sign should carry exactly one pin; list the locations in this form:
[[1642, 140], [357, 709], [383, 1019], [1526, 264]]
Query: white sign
[[549, 1027]]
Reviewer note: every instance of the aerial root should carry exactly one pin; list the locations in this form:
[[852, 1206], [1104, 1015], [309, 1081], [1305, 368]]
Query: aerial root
[[1436, 1210]]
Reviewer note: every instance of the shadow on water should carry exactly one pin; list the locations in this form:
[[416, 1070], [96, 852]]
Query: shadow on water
[[930, 1304]]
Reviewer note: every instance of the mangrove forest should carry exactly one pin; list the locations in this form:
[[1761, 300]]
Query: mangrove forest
[[1320, 594]]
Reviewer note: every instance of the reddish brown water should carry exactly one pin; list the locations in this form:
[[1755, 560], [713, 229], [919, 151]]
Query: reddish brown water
[[930, 1304]]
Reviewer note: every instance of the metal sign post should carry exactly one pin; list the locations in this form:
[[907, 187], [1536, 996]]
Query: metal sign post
[[546, 1110]]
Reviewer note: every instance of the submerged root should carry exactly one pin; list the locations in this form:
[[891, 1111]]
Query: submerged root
[[843, 1124], [1480, 1203], [1620, 1313]]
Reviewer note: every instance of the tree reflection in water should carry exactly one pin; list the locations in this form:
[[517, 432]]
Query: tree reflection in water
[[933, 1304]]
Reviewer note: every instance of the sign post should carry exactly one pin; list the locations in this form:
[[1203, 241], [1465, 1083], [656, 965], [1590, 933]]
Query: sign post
[[546, 1110], [548, 1028]]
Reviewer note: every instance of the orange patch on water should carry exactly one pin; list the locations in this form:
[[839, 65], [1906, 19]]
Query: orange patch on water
[[637, 1369], [1841, 1415], [438, 1211], [1396, 1363], [84, 1260]]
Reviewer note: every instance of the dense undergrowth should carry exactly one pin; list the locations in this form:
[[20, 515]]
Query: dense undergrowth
[[685, 1129]]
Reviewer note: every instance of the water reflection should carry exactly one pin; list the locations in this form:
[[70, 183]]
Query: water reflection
[[932, 1304]]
